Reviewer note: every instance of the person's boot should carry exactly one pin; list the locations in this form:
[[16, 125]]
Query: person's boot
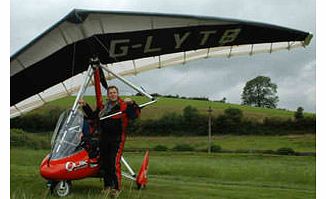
[[115, 193], [107, 191]]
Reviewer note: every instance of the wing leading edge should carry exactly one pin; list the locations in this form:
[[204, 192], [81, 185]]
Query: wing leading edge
[[51, 66]]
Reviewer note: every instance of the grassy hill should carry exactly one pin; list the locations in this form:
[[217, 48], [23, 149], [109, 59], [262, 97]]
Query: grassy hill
[[166, 105]]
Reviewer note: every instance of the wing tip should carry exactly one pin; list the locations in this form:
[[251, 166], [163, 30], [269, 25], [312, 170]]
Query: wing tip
[[308, 38]]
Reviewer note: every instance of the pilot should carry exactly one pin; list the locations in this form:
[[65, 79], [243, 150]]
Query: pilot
[[112, 135]]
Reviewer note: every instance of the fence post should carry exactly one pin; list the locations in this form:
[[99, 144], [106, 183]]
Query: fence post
[[209, 129]]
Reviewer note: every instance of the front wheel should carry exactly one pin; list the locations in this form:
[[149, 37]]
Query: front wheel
[[62, 188]]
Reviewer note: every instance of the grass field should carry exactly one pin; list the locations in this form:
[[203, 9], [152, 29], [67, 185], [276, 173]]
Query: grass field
[[184, 175], [300, 143], [166, 105], [192, 174]]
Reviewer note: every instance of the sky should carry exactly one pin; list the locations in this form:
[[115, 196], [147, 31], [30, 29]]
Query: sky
[[293, 71]]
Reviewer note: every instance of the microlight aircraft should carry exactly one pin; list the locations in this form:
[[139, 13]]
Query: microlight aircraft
[[88, 46]]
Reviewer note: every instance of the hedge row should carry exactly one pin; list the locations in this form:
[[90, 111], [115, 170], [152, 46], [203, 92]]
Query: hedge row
[[38, 122], [218, 149], [21, 138], [188, 123], [231, 122]]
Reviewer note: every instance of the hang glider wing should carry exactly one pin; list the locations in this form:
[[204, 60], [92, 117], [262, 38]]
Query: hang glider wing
[[52, 65]]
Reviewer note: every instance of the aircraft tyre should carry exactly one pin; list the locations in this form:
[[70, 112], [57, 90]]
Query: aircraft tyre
[[61, 188]]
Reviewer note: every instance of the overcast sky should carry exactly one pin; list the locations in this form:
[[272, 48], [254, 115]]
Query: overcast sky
[[293, 71]]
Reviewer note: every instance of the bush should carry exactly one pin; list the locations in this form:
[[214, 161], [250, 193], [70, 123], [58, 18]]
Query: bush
[[169, 123], [160, 148], [216, 148], [298, 115], [38, 121], [268, 151], [285, 151], [230, 122], [306, 124], [235, 115], [199, 98], [20, 138], [183, 147], [190, 114]]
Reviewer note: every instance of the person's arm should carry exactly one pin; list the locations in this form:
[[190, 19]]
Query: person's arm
[[133, 110], [90, 114]]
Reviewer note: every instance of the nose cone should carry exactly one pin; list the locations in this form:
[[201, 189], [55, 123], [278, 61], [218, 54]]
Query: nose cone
[[49, 170], [76, 166], [44, 168]]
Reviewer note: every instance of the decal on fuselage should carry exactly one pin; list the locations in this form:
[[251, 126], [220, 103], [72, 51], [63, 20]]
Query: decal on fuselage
[[72, 166]]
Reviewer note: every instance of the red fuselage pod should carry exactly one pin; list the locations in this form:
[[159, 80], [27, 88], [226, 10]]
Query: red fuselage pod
[[73, 167]]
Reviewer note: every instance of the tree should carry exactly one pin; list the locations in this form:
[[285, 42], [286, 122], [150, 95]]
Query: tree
[[190, 114], [223, 100], [260, 92], [298, 115]]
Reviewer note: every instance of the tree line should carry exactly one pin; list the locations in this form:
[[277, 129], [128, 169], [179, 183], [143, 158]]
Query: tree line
[[189, 122], [259, 92], [232, 121]]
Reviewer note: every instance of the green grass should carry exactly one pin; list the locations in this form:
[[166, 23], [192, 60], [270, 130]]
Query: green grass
[[168, 105], [184, 175], [300, 143]]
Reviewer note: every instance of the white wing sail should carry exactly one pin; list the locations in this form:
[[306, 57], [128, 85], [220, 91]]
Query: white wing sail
[[52, 65]]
